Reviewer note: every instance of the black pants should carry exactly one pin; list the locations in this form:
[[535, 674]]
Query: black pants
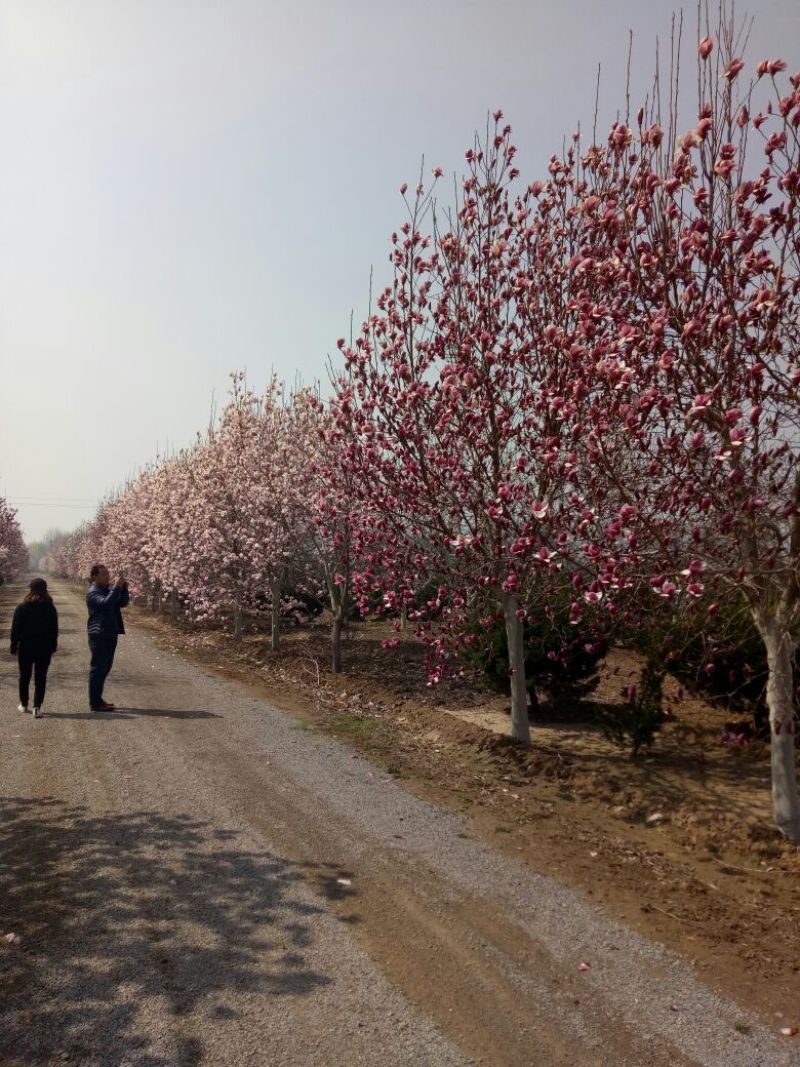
[[103, 649], [32, 661]]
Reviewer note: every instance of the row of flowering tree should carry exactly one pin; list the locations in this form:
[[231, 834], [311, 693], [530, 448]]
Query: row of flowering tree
[[13, 554], [573, 388], [592, 382], [234, 525]]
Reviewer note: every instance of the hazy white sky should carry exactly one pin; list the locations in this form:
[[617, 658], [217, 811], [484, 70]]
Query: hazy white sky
[[188, 187]]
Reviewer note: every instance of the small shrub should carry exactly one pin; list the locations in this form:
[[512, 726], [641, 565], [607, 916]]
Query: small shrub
[[720, 657], [636, 722], [561, 660]]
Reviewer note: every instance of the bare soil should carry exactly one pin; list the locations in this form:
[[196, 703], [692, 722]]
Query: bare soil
[[678, 844]]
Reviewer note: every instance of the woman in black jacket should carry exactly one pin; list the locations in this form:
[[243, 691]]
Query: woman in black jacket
[[34, 639]]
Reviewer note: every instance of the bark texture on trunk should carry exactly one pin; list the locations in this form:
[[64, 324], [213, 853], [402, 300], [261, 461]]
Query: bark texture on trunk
[[783, 726], [337, 596], [275, 594], [520, 728], [237, 618], [336, 642]]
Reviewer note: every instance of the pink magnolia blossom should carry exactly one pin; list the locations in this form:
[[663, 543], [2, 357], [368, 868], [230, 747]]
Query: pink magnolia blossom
[[13, 554]]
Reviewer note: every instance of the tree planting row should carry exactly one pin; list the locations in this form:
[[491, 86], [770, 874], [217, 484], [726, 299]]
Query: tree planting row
[[577, 398]]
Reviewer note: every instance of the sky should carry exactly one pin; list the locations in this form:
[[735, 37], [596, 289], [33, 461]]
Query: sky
[[191, 187]]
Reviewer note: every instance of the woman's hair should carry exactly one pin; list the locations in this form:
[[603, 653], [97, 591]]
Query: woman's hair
[[37, 592]]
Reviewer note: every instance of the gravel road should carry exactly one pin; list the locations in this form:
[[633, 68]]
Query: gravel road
[[198, 879]]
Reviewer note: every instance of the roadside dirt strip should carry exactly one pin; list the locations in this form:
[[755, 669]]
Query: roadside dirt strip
[[195, 878]]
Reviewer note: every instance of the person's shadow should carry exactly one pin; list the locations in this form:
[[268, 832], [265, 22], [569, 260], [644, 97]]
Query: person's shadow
[[116, 912], [132, 713]]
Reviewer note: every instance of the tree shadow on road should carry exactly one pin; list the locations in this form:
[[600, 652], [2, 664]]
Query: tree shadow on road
[[128, 917]]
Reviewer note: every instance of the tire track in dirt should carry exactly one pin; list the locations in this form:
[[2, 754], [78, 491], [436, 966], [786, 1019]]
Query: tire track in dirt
[[486, 982]]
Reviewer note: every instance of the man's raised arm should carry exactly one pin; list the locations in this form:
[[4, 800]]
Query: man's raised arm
[[97, 598]]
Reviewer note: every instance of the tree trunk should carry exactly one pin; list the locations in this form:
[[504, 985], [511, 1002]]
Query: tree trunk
[[520, 728], [533, 696], [275, 593], [173, 603], [336, 640], [237, 618], [338, 598], [780, 701]]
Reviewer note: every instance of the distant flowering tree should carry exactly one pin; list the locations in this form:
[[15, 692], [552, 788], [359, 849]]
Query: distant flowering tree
[[60, 559], [690, 330], [221, 541], [229, 514], [91, 547], [175, 514], [123, 522], [284, 446], [338, 528], [13, 554], [223, 524]]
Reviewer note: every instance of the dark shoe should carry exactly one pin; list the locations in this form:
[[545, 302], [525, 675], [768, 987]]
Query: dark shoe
[[101, 707], [106, 706]]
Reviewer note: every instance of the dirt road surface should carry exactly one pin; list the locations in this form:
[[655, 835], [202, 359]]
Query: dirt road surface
[[196, 879]]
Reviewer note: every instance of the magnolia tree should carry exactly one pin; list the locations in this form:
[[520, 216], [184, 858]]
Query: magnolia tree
[[338, 529], [120, 530], [222, 525], [13, 554], [283, 449], [454, 401], [89, 550], [73, 555], [137, 535], [175, 514], [261, 464], [146, 531], [228, 515], [39, 551], [690, 329], [218, 554], [60, 558]]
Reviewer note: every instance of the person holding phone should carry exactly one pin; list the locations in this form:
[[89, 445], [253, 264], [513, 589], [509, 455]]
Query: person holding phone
[[34, 639], [105, 603]]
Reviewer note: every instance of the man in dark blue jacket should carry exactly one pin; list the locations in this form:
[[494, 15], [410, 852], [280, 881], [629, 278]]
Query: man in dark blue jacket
[[104, 626]]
